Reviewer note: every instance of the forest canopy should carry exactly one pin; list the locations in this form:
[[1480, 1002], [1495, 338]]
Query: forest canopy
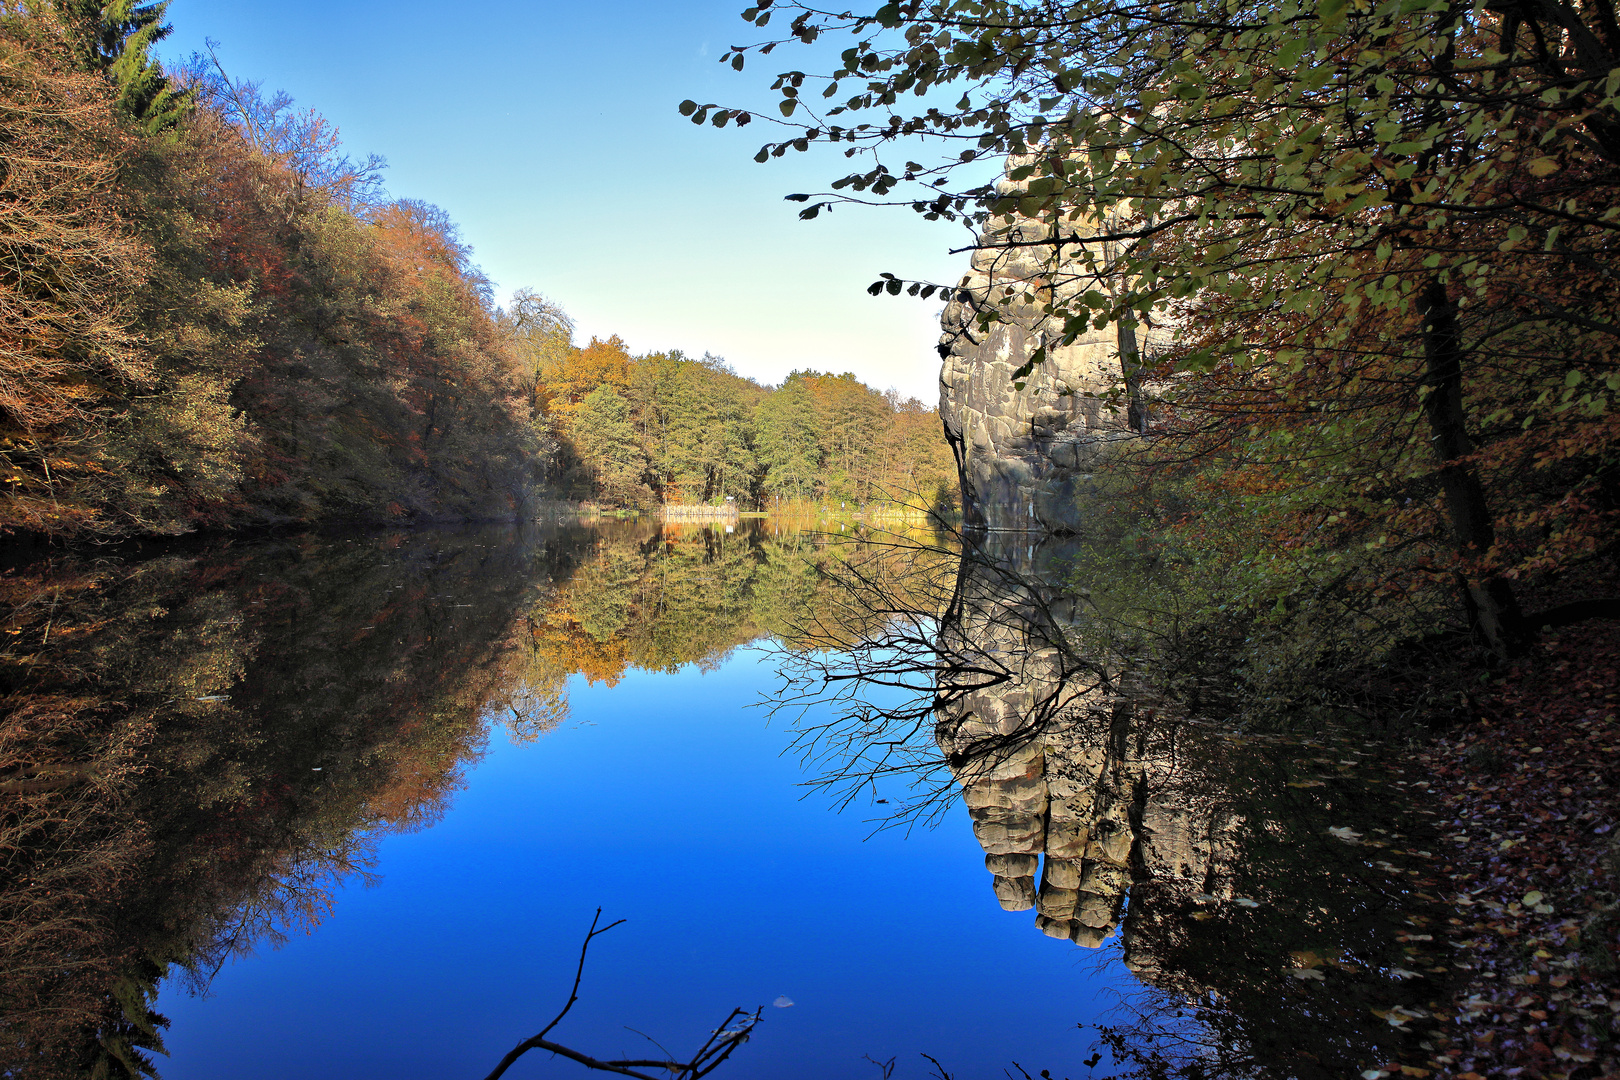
[[637, 431], [215, 317]]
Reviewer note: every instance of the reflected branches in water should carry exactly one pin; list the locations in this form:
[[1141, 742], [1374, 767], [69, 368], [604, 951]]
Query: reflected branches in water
[[721, 1043], [922, 627], [1266, 890]]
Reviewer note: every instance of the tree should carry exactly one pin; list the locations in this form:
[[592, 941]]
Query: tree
[[540, 335], [303, 142], [854, 420], [789, 429], [115, 39], [608, 445], [1412, 196], [68, 344], [710, 430]]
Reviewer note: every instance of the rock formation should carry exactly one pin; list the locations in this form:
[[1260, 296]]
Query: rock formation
[[1024, 447]]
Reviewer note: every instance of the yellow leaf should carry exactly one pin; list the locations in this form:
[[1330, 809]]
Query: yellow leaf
[[1542, 166]]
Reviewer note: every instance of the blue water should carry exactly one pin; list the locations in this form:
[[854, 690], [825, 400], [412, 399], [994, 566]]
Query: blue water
[[665, 800]]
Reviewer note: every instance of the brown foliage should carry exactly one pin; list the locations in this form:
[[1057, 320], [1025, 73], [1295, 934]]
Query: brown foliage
[[71, 265]]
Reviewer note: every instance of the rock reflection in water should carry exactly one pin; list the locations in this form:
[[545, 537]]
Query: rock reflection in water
[[1266, 889], [1072, 795]]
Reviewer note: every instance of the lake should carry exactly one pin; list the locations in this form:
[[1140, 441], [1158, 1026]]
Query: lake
[[345, 806]]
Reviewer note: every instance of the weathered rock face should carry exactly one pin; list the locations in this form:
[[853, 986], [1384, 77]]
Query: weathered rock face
[[1073, 799], [1024, 455]]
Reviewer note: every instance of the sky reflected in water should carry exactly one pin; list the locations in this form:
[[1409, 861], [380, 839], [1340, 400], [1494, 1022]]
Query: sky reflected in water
[[666, 801]]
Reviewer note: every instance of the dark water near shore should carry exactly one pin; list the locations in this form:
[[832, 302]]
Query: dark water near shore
[[344, 806]]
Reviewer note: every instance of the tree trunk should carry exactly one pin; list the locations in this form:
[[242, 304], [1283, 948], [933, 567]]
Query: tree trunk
[[1493, 610], [1130, 365]]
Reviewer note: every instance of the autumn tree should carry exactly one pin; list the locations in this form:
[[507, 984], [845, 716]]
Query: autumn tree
[[540, 336], [699, 432], [215, 316], [301, 142], [69, 346], [1364, 216]]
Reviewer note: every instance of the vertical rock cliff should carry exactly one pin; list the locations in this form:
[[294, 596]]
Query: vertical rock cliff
[[1024, 447]]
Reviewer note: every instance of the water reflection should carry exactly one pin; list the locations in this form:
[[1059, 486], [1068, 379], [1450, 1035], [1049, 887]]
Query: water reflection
[[1266, 888], [198, 744]]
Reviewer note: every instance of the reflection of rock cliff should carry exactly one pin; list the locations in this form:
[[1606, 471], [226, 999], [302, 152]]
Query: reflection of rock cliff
[[1023, 454], [1072, 798], [1228, 850]]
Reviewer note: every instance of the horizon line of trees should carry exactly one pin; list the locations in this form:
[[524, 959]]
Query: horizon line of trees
[[665, 428]]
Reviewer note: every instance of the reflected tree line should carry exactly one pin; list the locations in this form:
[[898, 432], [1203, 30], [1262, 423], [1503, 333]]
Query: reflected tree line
[[198, 745]]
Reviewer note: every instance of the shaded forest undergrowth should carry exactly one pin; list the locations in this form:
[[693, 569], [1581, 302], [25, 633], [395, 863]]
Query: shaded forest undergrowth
[[1517, 757], [1529, 786]]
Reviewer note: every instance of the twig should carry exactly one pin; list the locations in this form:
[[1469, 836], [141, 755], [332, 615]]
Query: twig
[[573, 995], [719, 1046]]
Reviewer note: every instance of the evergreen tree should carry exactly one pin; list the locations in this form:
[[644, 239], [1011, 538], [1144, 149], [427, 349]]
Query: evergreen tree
[[116, 40], [607, 442]]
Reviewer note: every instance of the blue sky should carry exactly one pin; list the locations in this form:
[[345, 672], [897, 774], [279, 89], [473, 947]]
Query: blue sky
[[550, 132]]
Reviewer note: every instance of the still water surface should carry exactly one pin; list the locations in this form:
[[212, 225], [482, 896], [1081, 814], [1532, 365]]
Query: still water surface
[[424, 759]]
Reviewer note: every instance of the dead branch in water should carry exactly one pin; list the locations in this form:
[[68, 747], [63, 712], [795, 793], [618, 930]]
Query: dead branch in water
[[719, 1046]]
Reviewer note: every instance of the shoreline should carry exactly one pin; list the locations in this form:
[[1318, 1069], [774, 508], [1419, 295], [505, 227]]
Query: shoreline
[[1528, 794]]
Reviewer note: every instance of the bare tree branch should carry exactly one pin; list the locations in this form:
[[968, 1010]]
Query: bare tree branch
[[722, 1041]]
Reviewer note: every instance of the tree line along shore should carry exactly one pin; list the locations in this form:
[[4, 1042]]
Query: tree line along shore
[[217, 317]]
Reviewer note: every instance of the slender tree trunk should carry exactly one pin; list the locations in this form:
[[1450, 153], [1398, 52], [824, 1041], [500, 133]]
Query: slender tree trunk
[[1130, 349], [1130, 364], [1493, 610]]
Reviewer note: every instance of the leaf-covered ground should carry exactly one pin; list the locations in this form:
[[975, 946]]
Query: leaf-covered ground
[[1530, 790]]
